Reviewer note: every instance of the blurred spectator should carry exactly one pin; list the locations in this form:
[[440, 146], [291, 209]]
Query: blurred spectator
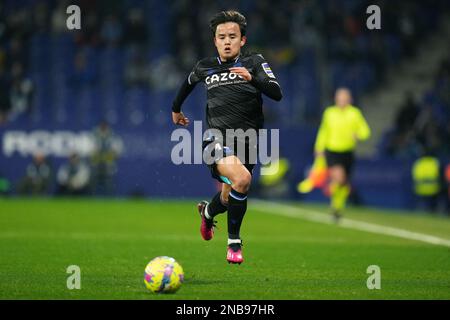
[[59, 17], [427, 130], [425, 125], [136, 30], [19, 23], [402, 141], [104, 159], [407, 114], [74, 177], [427, 181], [21, 91], [37, 177]]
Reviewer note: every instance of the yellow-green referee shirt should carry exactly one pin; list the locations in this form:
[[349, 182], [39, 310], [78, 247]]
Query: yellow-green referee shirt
[[340, 129]]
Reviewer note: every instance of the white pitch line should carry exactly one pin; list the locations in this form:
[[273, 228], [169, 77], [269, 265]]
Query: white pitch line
[[311, 215]]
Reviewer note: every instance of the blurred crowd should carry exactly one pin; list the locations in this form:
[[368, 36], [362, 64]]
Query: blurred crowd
[[129, 45], [16, 88], [168, 37], [423, 126], [76, 176], [285, 28]]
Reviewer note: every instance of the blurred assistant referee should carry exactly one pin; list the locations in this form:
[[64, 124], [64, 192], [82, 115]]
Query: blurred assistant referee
[[342, 126]]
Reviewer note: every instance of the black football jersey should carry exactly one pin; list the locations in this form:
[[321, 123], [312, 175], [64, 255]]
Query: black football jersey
[[232, 102]]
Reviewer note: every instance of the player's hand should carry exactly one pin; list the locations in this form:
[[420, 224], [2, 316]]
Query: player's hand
[[243, 72], [179, 119]]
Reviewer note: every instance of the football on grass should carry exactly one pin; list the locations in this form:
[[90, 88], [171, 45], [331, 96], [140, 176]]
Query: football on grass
[[163, 275]]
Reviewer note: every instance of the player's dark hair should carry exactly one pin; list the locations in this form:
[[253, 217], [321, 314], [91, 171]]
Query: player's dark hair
[[228, 16]]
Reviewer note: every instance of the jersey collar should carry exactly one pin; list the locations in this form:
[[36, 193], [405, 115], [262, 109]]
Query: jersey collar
[[234, 60]]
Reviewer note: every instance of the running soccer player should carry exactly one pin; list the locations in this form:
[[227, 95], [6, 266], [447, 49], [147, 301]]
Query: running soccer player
[[342, 126], [234, 82]]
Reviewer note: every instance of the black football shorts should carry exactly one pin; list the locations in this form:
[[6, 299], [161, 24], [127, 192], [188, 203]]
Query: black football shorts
[[214, 150]]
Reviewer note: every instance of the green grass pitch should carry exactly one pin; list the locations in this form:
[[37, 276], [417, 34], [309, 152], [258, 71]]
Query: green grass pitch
[[285, 257]]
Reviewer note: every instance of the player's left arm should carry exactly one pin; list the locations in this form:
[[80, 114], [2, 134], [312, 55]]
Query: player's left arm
[[262, 78], [363, 129]]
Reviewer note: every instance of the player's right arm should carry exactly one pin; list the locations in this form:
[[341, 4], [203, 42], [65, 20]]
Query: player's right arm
[[322, 135], [363, 129], [184, 91], [265, 80]]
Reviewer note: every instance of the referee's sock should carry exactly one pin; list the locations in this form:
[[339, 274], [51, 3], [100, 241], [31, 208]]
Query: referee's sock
[[237, 206], [339, 197], [215, 207]]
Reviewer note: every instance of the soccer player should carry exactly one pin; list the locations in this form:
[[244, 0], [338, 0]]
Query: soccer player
[[342, 126], [234, 82]]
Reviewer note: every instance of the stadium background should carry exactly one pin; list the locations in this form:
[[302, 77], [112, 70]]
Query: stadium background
[[126, 63]]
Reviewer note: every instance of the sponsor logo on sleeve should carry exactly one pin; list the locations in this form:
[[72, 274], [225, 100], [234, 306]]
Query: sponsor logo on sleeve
[[267, 70]]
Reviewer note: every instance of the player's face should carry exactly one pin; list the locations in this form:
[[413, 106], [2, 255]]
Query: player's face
[[343, 97], [228, 40]]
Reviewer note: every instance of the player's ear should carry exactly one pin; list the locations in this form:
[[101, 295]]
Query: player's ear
[[243, 40]]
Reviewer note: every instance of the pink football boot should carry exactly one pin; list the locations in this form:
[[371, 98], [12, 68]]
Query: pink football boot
[[207, 226], [234, 253]]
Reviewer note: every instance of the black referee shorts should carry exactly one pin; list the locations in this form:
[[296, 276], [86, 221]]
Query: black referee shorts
[[217, 150], [344, 159]]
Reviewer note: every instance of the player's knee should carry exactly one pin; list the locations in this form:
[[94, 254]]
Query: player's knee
[[242, 182], [337, 174], [341, 177]]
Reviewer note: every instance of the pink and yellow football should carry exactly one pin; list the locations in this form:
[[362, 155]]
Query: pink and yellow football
[[163, 275]]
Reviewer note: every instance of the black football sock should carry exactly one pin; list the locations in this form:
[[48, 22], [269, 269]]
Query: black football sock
[[237, 205], [216, 206]]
